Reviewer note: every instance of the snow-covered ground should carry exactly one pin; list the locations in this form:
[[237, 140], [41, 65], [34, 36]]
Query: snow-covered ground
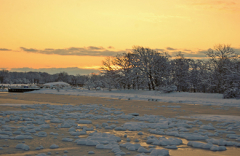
[[174, 97]]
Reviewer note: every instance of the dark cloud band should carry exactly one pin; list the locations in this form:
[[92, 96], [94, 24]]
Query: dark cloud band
[[5, 49], [82, 51]]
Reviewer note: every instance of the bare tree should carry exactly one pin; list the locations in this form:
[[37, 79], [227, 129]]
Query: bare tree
[[221, 58]]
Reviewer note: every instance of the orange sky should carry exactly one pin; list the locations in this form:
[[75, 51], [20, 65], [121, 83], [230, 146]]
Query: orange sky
[[101, 28]]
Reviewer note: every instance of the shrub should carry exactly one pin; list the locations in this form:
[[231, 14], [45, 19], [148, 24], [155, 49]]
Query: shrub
[[231, 93]]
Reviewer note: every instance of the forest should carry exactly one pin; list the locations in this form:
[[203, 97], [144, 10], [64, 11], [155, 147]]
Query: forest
[[148, 69]]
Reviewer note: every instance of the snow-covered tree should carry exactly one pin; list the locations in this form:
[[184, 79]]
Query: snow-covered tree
[[180, 72], [109, 72], [221, 59], [148, 62], [4, 76]]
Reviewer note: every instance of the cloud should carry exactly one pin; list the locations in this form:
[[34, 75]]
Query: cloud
[[154, 18], [226, 5], [199, 54], [195, 54], [148, 17], [28, 50], [79, 51], [5, 49], [160, 50], [170, 48], [69, 70], [237, 50], [110, 47]]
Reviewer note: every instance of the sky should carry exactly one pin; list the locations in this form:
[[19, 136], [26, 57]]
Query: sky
[[76, 35]]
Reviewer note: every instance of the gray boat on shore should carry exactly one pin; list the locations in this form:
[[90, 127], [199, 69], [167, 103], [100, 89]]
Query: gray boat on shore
[[22, 89]]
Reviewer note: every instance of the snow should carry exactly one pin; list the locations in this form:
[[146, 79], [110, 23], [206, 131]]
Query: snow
[[53, 146], [22, 146], [207, 146], [218, 118], [91, 152], [174, 97], [57, 84]]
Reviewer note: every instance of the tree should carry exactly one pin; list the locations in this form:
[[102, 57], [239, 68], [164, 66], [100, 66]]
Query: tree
[[128, 76], [180, 70], [221, 59], [109, 70], [146, 61], [63, 76], [4, 76]]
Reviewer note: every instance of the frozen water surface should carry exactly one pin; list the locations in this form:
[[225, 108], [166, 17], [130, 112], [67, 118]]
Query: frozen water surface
[[101, 130]]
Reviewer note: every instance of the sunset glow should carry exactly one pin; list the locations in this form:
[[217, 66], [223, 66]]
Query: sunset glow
[[81, 33]]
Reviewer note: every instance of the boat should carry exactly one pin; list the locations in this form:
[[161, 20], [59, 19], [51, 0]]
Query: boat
[[22, 89]]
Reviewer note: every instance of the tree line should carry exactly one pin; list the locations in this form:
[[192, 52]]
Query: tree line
[[7, 77], [148, 69], [145, 68]]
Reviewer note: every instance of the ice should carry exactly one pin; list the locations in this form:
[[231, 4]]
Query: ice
[[208, 127], [91, 143], [4, 137], [41, 154], [221, 142], [22, 137], [39, 148], [23, 147], [141, 154], [84, 121], [193, 136], [91, 152], [67, 117], [82, 142], [120, 129], [208, 146], [157, 152], [130, 146], [52, 133], [104, 137], [143, 150], [83, 132], [42, 134], [71, 129], [171, 147], [218, 148], [55, 120], [53, 146], [67, 139], [162, 141], [137, 126], [233, 136]]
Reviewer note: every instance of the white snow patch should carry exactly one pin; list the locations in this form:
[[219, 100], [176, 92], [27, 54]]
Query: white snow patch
[[218, 118]]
